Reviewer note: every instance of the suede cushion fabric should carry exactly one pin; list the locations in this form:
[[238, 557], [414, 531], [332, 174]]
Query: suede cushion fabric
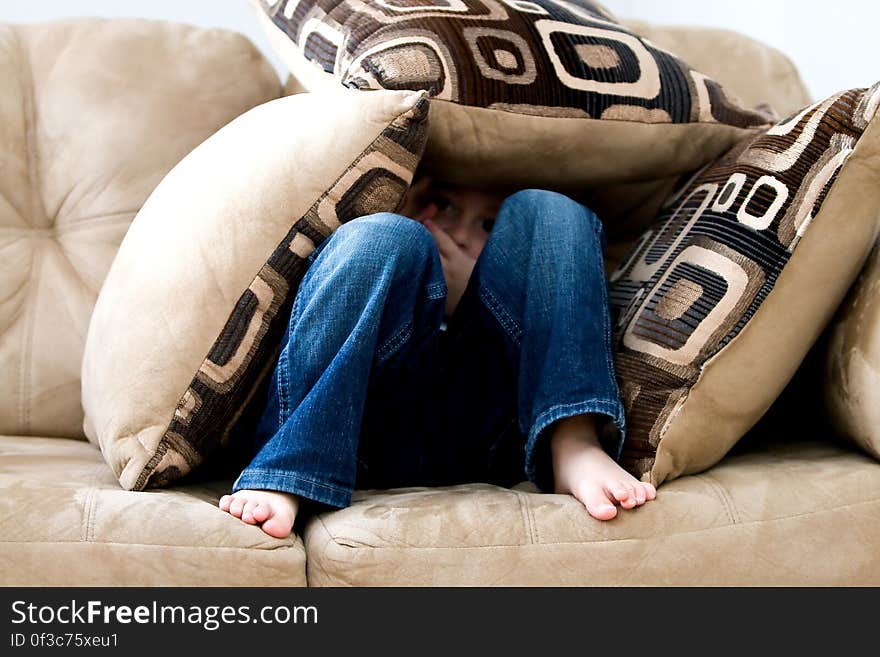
[[93, 113], [852, 366], [803, 513], [64, 521], [191, 315], [548, 94], [719, 302]]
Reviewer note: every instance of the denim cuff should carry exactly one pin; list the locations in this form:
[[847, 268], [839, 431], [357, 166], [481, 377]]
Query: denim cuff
[[288, 482], [538, 462]]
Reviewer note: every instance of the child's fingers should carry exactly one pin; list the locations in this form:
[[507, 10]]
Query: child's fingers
[[445, 244], [426, 213]]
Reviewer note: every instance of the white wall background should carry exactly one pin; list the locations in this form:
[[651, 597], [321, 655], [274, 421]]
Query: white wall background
[[833, 43]]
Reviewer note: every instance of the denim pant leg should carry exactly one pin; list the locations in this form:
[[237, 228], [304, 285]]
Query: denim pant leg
[[375, 287], [542, 279]]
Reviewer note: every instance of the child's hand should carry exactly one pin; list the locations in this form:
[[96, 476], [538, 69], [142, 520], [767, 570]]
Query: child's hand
[[457, 265]]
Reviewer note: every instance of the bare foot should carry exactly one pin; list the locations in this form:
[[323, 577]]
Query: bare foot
[[583, 469], [273, 511]]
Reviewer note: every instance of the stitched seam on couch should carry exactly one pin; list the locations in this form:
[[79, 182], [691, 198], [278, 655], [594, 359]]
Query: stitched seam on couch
[[723, 496], [90, 505], [298, 545], [34, 200], [526, 517], [659, 537]]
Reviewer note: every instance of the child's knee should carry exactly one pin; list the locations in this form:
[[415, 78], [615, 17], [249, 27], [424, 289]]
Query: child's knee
[[387, 230], [549, 216], [384, 238]]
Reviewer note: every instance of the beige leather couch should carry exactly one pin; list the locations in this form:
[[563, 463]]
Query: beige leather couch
[[92, 115]]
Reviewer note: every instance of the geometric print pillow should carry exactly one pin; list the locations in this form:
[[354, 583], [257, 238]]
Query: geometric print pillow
[[552, 93], [718, 303], [191, 314]]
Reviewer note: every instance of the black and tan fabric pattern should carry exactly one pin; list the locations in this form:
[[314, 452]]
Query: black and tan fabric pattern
[[559, 60], [212, 263], [568, 59], [709, 270], [248, 343]]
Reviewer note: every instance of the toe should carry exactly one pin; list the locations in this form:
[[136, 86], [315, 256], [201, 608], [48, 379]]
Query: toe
[[224, 502], [629, 501], [650, 491], [597, 504], [641, 496], [278, 525], [261, 512], [236, 506], [247, 513], [619, 491]]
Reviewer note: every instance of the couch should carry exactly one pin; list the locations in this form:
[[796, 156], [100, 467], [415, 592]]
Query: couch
[[85, 139]]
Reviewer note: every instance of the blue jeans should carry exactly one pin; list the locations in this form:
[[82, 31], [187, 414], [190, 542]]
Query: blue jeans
[[369, 392]]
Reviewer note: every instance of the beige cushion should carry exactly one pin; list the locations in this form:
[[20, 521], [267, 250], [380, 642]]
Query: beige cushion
[[556, 96], [190, 317], [852, 381], [720, 301], [755, 72], [795, 514], [92, 114], [64, 521]]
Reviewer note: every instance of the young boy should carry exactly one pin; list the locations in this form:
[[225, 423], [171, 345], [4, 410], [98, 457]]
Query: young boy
[[465, 339]]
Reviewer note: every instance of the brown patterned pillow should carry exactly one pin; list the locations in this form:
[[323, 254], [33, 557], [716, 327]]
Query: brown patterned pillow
[[189, 318], [718, 303], [550, 93]]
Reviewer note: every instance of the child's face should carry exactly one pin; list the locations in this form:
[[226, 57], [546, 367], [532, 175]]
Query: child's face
[[466, 214]]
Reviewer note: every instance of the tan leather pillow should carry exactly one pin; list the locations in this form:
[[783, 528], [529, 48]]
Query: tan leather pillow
[[554, 95], [193, 309], [93, 113], [718, 303], [852, 366]]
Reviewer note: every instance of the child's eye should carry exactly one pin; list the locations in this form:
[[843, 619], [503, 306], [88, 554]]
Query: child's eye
[[440, 201], [488, 224]]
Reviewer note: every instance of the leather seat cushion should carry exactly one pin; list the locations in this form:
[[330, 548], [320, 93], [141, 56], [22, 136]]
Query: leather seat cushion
[[64, 521], [796, 513]]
